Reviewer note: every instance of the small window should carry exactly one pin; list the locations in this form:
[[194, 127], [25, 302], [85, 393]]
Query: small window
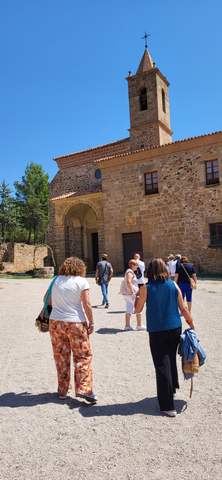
[[143, 99], [151, 183], [216, 234], [98, 174], [163, 101], [212, 172]]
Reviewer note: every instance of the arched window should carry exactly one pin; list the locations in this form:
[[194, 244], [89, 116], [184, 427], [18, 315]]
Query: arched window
[[163, 101], [98, 174], [143, 99]]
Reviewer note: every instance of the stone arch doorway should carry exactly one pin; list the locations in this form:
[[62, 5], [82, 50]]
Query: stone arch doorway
[[82, 234]]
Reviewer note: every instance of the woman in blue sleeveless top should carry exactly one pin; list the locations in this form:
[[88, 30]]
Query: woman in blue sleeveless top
[[163, 300]]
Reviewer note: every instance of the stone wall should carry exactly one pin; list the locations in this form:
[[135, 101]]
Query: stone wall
[[20, 257], [174, 220], [5, 254], [150, 127], [79, 179]]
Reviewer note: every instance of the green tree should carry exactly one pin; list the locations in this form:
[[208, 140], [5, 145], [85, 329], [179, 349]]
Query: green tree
[[32, 202], [7, 212]]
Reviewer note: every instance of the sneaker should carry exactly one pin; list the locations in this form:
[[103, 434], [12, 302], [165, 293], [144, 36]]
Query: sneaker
[[91, 397], [128, 329], [107, 305], [169, 413], [141, 328]]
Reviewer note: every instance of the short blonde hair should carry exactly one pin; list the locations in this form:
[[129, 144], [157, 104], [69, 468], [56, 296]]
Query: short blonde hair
[[73, 266]]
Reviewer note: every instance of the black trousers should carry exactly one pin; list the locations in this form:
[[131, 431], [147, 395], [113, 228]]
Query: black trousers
[[163, 347]]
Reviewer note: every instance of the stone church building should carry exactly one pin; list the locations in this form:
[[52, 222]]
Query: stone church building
[[144, 193]]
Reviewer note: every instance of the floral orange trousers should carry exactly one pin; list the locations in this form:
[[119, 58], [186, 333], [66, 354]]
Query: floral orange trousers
[[67, 337]]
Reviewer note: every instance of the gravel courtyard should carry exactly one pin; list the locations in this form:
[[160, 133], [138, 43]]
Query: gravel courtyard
[[123, 436]]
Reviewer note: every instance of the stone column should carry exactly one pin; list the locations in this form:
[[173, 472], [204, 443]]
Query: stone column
[[59, 243]]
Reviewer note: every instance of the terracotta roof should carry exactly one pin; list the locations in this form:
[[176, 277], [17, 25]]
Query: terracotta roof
[[65, 195], [98, 147], [155, 147], [76, 194]]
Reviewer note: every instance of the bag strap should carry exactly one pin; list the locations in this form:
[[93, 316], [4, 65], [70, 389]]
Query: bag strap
[[49, 291], [184, 269], [106, 268]]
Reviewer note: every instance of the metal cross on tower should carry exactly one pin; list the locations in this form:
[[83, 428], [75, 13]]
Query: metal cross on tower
[[145, 38]]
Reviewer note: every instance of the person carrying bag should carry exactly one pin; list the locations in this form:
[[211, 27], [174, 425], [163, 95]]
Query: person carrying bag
[[42, 321], [186, 278]]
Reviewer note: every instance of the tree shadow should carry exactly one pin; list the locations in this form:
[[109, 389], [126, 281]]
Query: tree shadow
[[147, 406], [109, 331], [26, 399]]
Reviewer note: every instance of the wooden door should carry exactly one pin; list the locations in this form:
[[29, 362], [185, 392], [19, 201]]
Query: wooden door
[[95, 249], [132, 243]]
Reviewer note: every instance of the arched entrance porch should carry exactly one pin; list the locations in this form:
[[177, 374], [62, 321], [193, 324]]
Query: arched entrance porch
[[82, 231]]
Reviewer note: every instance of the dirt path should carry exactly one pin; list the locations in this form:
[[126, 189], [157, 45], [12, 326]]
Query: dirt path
[[123, 437]]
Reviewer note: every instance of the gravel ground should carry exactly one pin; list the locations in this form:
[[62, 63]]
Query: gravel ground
[[123, 436]]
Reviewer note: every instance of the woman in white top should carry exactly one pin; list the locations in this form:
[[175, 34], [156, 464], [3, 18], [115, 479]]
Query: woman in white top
[[71, 323], [130, 295]]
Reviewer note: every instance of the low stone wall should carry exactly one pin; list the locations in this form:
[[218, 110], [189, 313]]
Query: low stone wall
[[6, 252], [20, 257]]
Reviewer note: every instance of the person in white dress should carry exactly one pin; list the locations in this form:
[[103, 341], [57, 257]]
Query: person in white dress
[[130, 293]]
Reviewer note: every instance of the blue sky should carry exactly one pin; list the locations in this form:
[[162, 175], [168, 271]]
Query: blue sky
[[63, 69]]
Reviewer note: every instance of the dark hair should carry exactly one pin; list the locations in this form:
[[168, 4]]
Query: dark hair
[[104, 256], [157, 270], [73, 266]]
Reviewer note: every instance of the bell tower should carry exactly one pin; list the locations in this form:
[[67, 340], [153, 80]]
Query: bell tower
[[149, 106]]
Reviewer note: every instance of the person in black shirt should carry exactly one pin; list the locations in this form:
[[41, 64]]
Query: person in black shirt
[[184, 272], [104, 272]]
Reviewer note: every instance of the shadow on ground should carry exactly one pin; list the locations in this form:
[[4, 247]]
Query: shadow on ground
[[109, 331], [147, 406], [26, 399]]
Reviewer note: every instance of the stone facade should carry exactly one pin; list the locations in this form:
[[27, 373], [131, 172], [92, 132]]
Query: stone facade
[[177, 218], [21, 258], [98, 196], [149, 126]]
